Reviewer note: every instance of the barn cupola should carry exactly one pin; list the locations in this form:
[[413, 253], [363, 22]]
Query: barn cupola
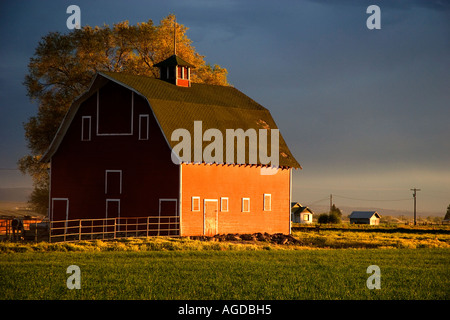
[[175, 70]]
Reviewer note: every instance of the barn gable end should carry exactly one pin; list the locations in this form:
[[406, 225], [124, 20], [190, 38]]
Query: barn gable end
[[112, 157], [96, 166]]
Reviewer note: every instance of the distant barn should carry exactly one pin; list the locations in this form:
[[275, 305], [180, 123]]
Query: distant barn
[[365, 217]]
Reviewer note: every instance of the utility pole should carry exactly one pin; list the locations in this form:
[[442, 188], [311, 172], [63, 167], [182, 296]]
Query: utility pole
[[331, 202], [415, 196]]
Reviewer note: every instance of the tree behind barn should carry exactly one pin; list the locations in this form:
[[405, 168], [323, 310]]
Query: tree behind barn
[[64, 64]]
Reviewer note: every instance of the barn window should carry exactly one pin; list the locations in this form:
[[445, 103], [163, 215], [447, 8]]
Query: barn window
[[224, 204], [113, 182], [143, 127], [86, 128], [195, 203], [112, 208], [115, 107], [245, 204], [267, 202]]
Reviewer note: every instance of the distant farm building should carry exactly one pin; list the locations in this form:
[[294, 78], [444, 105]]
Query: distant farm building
[[301, 214], [112, 158], [365, 217]]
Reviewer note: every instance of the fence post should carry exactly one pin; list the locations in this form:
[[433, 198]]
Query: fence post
[[147, 224], [79, 230], [115, 223]]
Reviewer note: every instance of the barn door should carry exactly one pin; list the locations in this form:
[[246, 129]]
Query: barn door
[[60, 209], [210, 217], [112, 211], [168, 218], [59, 212]]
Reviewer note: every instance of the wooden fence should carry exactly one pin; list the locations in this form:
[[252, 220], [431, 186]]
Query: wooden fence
[[28, 230], [113, 228]]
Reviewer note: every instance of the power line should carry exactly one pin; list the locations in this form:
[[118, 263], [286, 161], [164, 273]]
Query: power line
[[317, 201], [358, 199]]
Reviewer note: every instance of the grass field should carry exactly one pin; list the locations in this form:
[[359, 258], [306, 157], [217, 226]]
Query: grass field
[[261, 274], [414, 265]]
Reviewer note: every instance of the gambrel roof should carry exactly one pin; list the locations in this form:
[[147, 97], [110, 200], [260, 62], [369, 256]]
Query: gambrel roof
[[174, 107]]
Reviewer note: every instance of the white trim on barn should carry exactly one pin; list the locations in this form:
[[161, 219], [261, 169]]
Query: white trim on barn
[[106, 179], [159, 211], [195, 208], [217, 214], [222, 209], [118, 207], [143, 116], [242, 204], [83, 134], [115, 134], [67, 207], [269, 206]]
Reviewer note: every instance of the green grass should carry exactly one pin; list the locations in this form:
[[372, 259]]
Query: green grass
[[414, 264], [375, 238], [229, 274]]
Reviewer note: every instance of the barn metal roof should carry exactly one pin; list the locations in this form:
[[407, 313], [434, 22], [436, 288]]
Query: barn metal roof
[[364, 214], [174, 60], [174, 107]]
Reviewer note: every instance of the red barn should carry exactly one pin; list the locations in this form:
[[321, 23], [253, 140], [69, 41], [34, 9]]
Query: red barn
[[113, 156]]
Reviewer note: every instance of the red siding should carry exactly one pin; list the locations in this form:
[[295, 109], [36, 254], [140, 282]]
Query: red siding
[[139, 172], [183, 82], [79, 167], [236, 182]]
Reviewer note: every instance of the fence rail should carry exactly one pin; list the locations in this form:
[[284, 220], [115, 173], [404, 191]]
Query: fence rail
[[17, 228], [112, 228]]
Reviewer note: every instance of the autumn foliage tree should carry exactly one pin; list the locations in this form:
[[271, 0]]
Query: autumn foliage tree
[[63, 65]]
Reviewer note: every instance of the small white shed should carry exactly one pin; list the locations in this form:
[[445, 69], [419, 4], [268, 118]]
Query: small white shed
[[301, 214]]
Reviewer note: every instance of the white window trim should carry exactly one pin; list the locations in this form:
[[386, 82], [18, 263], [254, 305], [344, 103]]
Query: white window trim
[[106, 180], [112, 200], [164, 199], [141, 116], [115, 134], [221, 204], [204, 214], [159, 212], [264, 202], [67, 207], [82, 128], [242, 205], [192, 204]]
